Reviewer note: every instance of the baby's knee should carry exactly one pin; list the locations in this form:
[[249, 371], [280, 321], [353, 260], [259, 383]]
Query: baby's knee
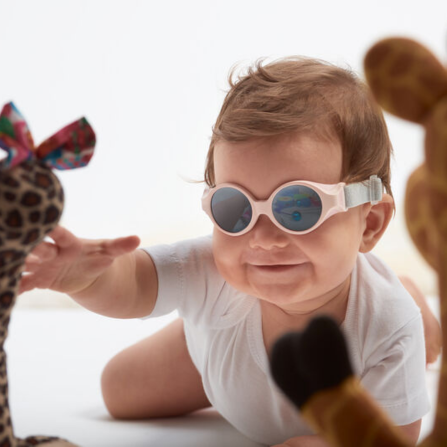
[[112, 387]]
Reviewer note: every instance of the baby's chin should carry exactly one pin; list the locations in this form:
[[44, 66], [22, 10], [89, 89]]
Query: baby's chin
[[282, 295], [282, 298]]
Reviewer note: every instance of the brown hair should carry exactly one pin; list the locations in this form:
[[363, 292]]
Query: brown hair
[[300, 94]]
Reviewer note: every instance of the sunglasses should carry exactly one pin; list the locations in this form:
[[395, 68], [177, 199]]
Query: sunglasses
[[295, 207]]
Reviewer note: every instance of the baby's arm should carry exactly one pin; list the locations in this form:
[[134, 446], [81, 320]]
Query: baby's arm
[[109, 277], [432, 329]]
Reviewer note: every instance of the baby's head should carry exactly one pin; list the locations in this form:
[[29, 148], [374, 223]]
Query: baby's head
[[303, 95], [298, 119]]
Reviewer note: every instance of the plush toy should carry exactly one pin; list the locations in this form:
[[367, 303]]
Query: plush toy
[[408, 81], [31, 203]]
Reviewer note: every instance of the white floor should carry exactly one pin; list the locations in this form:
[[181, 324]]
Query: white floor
[[55, 358]]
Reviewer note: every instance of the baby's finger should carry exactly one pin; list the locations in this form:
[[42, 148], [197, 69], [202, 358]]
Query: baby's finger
[[45, 251], [27, 283], [120, 246], [32, 263], [33, 259], [62, 237]]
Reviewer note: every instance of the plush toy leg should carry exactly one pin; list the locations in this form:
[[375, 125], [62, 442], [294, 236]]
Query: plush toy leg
[[314, 371]]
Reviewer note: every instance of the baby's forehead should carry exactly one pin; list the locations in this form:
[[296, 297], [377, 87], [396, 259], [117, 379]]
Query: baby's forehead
[[275, 161], [309, 144]]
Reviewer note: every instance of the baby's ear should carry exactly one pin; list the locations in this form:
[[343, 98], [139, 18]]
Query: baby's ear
[[376, 222]]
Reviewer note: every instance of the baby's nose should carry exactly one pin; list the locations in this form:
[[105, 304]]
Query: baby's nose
[[266, 235]]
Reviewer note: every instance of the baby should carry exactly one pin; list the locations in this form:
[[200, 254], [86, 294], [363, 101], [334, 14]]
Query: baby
[[298, 176]]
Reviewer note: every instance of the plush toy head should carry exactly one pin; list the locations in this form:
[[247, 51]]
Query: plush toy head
[[408, 81], [31, 203]]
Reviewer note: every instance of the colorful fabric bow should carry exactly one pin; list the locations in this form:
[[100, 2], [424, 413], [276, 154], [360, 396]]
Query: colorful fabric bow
[[72, 147]]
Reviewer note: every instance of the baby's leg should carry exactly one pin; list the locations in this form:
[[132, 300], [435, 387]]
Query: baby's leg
[[154, 378], [432, 328]]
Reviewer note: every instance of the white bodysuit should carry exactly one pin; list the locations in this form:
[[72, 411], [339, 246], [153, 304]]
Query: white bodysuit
[[223, 329]]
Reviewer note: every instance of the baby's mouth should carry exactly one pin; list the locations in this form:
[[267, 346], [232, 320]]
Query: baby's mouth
[[278, 268]]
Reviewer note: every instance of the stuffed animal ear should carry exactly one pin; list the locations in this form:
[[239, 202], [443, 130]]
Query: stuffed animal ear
[[71, 147], [303, 363], [15, 136], [405, 77]]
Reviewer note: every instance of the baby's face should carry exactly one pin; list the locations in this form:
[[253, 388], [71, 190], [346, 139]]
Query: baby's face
[[286, 269]]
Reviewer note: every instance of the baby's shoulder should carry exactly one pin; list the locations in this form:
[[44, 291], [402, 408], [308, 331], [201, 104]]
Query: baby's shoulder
[[381, 313], [206, 299], [380, 288], [190, 257], [378, 302]]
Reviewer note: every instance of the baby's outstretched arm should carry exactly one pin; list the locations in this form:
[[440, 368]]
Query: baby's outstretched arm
[[108, 276], [432, 328]]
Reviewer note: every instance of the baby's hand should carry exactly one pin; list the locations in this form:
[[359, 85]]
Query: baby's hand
[[70, 264]]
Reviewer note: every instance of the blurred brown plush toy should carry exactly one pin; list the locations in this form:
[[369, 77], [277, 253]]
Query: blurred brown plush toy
[[409, 82]]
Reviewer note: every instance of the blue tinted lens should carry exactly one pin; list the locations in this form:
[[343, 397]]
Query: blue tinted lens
[[231, 210], [297, 208]]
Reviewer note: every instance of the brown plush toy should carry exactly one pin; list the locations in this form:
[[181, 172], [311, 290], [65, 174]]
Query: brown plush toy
[[409, 82], [31, 203]]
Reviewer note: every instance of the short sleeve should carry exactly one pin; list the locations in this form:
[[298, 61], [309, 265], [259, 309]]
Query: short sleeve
[[188, 280], [396, 377], [170, 279]]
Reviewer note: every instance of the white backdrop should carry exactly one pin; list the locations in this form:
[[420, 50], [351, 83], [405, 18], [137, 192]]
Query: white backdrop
[[150, 76]]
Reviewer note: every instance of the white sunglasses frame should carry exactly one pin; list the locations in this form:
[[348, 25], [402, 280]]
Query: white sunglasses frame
[[335, 199]]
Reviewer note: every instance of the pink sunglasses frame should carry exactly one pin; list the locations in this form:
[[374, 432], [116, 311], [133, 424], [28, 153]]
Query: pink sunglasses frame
[[333, 201]]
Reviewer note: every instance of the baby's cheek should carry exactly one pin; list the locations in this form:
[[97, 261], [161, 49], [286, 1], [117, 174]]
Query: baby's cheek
[[226, 252], [334, 246]]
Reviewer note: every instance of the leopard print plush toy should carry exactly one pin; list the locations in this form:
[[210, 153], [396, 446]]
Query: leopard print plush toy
[[409, 82], [31, 203]]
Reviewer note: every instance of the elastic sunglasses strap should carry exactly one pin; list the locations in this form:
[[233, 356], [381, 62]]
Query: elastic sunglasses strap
[[364, 192]]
